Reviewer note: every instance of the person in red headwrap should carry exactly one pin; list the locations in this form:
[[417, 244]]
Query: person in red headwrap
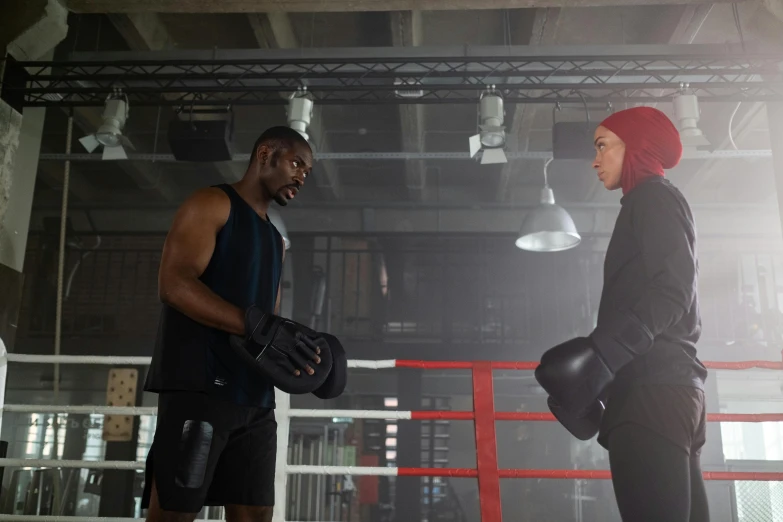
[[635, 381]]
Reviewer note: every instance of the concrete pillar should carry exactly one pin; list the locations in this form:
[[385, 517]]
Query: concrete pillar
[[10, 279], [19, 177], [30, 30], [10, 129], [20, 144]]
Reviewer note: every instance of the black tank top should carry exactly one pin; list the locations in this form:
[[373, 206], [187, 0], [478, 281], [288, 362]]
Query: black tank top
[[244, 270]]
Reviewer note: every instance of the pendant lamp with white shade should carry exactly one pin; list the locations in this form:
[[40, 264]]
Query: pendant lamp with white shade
[[548, 227]]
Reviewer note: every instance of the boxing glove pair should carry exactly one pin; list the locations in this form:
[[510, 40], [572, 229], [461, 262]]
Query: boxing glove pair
[[286, 352], [577, 373]]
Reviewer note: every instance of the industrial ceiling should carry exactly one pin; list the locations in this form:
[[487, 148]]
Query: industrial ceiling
[[427, 178]]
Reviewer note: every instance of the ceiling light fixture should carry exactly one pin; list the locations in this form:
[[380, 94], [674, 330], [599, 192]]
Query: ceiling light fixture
[[109, 134], [687, 113], [548, 227], [492, 134], [300, 111]]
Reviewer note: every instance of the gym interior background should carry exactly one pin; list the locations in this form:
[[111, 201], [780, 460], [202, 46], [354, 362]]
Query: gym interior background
[[402, 244]]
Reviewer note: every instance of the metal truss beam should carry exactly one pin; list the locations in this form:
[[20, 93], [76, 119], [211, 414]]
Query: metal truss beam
[[363, 156], [635, 74]]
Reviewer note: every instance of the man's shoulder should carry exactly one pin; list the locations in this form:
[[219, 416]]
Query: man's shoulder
[[213, 195], [208, 201], [204, 207]]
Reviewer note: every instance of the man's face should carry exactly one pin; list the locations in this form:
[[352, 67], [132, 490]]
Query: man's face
[[609, 154], [284, 170]]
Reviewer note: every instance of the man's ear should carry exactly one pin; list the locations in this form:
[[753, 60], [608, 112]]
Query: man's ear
[[262, 155]]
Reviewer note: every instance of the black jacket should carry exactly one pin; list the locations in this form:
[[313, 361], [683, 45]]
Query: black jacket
[[651, 268]]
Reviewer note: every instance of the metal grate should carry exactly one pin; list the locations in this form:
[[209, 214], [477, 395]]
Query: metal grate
[[111, 290], [457, 289], [759, 501]]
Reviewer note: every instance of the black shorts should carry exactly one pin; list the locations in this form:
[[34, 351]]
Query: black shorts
[[210, 453], [676, 413]]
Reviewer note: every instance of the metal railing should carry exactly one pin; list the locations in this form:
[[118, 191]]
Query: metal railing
[[756, 501]]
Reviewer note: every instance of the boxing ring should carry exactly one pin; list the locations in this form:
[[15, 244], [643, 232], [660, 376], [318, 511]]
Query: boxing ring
[[484, 416]]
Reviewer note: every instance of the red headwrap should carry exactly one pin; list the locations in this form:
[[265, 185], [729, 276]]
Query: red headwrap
[[652, 143]]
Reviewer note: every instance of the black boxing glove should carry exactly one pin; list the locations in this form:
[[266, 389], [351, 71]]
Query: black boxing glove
[[335, 384], [577, 372], [583, 427], [282, 351], [574, 375]]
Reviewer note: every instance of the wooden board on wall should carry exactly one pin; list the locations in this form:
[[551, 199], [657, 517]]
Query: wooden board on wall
[[120, 391]]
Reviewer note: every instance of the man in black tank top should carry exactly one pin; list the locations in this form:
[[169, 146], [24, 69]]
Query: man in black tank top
[[215, 441]]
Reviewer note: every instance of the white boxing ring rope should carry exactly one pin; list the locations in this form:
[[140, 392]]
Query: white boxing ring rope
[[283, 413], [51, 518], [84, 410], [65, 464], [78, 359], [152, 410], [110, 360]]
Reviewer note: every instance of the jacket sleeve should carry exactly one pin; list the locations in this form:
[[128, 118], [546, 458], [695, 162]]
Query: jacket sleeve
[[665, 232]]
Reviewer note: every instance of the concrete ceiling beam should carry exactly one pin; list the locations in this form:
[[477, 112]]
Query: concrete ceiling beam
[[312, 6], [407, 31], [274, 30], [32, 28], [143, 31], [543, 32]]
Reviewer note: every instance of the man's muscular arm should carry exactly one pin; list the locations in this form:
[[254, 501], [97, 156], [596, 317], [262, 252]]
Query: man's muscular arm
[[186, 254]]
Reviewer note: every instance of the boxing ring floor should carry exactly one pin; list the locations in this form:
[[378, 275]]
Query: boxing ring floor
[[484, 417]]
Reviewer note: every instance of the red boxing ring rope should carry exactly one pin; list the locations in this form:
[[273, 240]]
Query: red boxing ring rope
[[536, 474], [541, 416], [528, 365], [484, 417]]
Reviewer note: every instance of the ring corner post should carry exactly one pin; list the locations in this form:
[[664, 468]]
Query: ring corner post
[[282, 408], [486, 443]]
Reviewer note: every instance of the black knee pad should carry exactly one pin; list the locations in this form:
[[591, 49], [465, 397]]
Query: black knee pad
[[194, 445]]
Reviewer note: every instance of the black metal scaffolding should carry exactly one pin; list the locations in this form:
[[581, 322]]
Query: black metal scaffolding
[[394, 76]]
